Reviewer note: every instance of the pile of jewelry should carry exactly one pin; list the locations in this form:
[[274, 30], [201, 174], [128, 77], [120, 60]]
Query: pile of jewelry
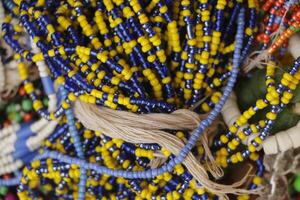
[[122, 99]]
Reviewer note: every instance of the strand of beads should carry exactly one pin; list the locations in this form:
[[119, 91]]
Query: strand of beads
[[177, 160], [281, 23], [81, 49], [77, 144], [137, 56], [277, 97]]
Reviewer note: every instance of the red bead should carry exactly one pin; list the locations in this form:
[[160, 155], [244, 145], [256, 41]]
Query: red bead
[[269, 28], [22, 91], [275, 27], [6, 123], [27, 117], [273, 11], [6, 176], [278, 13], [264, 38], [258, 38], [278, 3], [267, 5]]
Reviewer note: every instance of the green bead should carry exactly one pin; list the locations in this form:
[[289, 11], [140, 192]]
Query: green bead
[[11, 108], [45, 101], [17, 117], [26, 105], [297, 184], [3, 190], [11, 116]]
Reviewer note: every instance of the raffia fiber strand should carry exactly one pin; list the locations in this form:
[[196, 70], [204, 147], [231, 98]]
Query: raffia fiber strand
[[147, 128]]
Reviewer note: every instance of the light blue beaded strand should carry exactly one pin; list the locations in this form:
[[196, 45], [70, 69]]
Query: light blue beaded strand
[[78, 147]]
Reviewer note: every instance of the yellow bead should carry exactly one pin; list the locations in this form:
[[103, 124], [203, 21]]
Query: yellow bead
[[253, 128], [115, 80], [175, 195], [262, 123], [241, 120], [35, 164], [269, 97], [254, 156], [274, 102], [60, 80], [284, 82], [224, 139], [91, 99], [223, 151], [234, 159], [101, 75], [206, 38], [37, 105], [197, 86], [151, 58], [217, 82], [243, 197], [231, 146], [165, 152], [288, 95], [188, 76], [271, 116], [241, 135], [235, 142], [239, 156], [260, 104], [36, 39], [179, 169], [249, 31], [102, 57], [292, 86], [284, 100], [166, 80], [205, 107], [287, 76], [205, 55], [65, 105], [251, 148], [258, 140], [224, 162], [233, 129], [188, 193], [257, 180], [251, 111], [247, 115]]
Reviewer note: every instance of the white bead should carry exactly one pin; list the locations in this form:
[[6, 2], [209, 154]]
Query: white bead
[[7, 150], [34, 142], [52, 102], [38, 125], [293, 47]]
